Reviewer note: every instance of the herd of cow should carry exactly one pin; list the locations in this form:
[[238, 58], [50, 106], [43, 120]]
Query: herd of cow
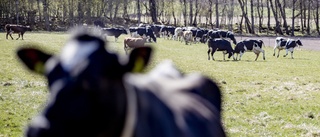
[[217, 40], [93, 93]]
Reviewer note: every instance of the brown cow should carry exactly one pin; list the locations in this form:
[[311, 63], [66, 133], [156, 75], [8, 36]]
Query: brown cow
[[13, 28], [130, 43]]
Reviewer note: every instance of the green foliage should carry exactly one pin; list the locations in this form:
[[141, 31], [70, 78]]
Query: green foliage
[[275, 97]]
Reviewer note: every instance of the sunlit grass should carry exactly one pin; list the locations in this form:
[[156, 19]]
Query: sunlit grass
[[272, 97]]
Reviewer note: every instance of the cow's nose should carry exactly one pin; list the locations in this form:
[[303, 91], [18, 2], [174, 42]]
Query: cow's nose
[[38, 127], [36, 132]]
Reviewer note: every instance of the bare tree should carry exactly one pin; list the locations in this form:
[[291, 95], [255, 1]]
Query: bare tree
[[46, 14], [268, 22], [217, 14], [293, 16], [260, 13], [252, 17], [275, 13], [153, 11], [244, 15], [283, 14], [309, 14], [317, 16]]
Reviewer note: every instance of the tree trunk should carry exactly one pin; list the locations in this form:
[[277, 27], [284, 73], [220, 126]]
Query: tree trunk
[[230, 16], [184, 11], [260, 14], [245, 16], [252, 17], [283, 14], [217, 14], [139, 11], [46, 14], [196, 13], [125, 9], [308, 20], [210, 13], [191, 12], [275, 13], [173, 14], [293, 9], [116, 10], [268, 22], [39, 10], [301, 17], [317, 17], [153, 10]]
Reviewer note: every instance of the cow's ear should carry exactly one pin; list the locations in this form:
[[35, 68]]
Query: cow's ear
[[139, 58], [33, 58]]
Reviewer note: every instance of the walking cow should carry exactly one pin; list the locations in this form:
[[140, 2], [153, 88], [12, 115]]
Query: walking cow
[[94, 94], [288, 44], [13, 28], [249, 45]]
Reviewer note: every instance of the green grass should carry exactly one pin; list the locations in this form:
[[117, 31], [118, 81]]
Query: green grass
[[275, 97]]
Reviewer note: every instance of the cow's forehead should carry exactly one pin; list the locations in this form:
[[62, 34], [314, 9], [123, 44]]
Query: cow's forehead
[[75, 52]]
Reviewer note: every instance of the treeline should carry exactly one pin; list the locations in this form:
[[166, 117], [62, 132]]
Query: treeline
[[242, 16]]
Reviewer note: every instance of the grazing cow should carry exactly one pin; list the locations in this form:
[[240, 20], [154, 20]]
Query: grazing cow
[[116, 32], [187, 36], [219, 45], [13, 28], [222, 34], [167, 31], [288, 44], [200, 34], [249, 45], [131, 43], [147, 31], [94, 94]]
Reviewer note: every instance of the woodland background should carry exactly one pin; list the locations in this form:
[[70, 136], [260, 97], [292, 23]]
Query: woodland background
[[293, 17]]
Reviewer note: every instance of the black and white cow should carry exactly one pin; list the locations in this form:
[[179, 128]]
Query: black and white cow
[[252, 45], [116, 32], [288, 44], [222, 34], [94, 94], [219, 45], [147, 31], [199, 34], [168, 31]]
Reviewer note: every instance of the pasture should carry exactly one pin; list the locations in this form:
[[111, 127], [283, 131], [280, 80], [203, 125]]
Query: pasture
[[272, 97]]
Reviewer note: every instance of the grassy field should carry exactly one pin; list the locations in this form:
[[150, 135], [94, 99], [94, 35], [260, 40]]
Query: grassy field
[[275, 97]]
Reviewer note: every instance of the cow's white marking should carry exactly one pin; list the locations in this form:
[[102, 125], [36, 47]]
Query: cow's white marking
[[75, 52]]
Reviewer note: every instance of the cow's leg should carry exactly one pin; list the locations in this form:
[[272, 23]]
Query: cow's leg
[[209, 53], [257, 55], [224, 55], [212, 52], [291, 50], [22, 36], [274, 50], [236, 58], [278, 53], [18, 36], [10, 34], [263, 53], [286, 53], [241, 53]]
